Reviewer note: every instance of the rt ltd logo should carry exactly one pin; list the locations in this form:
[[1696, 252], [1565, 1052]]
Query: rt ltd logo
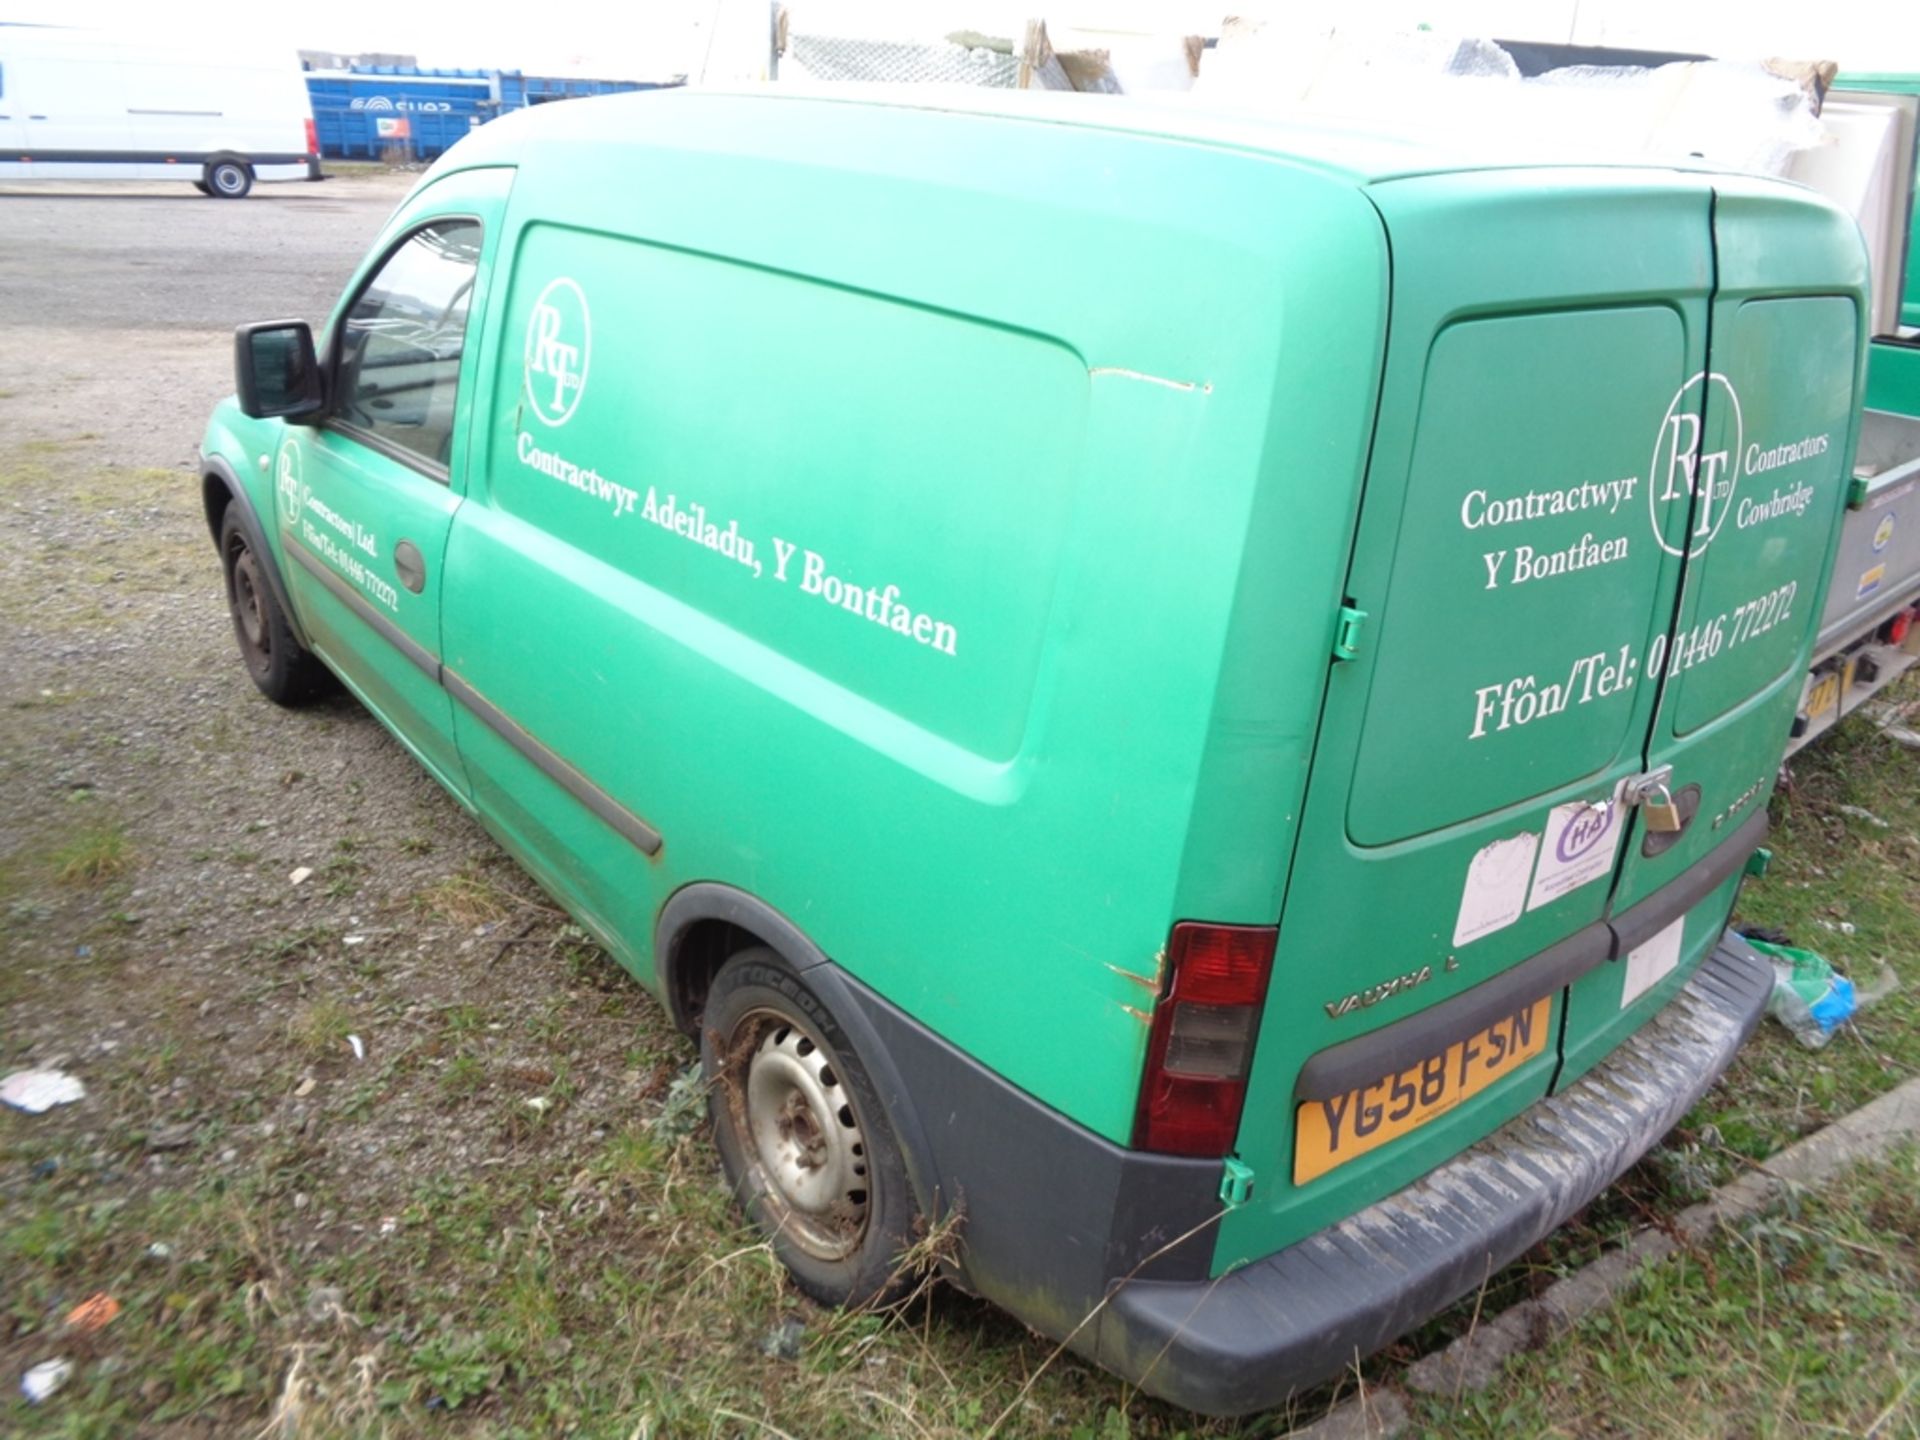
[[559, 344], [1686, 476]]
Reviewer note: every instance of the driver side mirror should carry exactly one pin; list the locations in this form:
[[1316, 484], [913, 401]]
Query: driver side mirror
[[275, 372]]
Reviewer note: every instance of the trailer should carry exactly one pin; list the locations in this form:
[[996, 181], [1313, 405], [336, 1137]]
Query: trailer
[[1870, 628]]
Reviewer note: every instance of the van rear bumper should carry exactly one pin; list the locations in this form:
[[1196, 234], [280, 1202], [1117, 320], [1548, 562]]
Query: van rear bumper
[[1252, 1338]]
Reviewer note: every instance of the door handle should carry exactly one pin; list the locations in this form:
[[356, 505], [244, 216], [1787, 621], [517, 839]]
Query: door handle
[[410, 565]]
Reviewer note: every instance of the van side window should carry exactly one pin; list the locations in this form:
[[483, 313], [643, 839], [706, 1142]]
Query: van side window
[[400, 347]]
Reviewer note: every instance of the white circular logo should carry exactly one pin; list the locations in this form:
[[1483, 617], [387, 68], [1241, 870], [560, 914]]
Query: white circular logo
[[559, 344], [1683, 476], [290, 483]]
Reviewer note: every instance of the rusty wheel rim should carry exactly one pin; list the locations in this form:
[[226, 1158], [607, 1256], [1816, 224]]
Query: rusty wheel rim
[[802, 1138]]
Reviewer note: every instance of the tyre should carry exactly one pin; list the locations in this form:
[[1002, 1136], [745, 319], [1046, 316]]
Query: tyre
[[203, 187], [285, 671], [228, 179], [803, 1136]]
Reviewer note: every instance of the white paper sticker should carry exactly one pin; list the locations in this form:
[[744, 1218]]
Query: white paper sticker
[[1652, 962], [1496, 890], [1581, 842]]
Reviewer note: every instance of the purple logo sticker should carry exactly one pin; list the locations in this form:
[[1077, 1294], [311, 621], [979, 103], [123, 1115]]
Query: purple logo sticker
[[1584, 831]]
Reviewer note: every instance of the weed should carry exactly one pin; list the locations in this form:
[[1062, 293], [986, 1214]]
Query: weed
[[464, 900], [465, 1074], [95, 854], [320, 1027], [293, 944]]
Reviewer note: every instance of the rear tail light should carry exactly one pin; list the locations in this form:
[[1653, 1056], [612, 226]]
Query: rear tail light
[[1203, 1033], [313, 137], [1895, 630]]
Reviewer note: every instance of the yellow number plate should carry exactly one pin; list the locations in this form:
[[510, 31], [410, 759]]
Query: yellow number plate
[[1824, 695], [1328, 1133]]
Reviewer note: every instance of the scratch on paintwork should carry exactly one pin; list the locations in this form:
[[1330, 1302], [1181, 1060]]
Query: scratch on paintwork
[[1145, 982], [1205, 387], [1145, 1017]]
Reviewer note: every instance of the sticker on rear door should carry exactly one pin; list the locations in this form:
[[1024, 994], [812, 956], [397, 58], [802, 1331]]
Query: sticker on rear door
[[1652, 962], [1581, 841], [1495, 894]]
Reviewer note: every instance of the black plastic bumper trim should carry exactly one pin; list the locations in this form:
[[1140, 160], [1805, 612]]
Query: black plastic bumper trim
[[1249, 1339], [422, 659], [1346, 1067], [185, 159], [1632, 928], [623, 821]]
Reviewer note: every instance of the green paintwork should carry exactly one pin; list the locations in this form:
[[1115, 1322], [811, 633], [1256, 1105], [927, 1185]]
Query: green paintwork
[[1893, 379], [1527, 358], [1098, 401]]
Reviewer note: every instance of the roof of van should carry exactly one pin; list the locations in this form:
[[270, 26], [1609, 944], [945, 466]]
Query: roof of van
[[1349, 151]]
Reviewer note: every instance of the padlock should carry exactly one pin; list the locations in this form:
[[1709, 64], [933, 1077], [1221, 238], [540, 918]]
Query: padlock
[[1663, 816]]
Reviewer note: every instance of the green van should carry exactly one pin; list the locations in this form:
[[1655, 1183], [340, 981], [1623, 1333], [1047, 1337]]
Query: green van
[[1191, 693]]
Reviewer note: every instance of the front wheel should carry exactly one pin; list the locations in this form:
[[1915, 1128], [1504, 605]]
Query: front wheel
[[285, 671], [803, 1136], [228, 180]]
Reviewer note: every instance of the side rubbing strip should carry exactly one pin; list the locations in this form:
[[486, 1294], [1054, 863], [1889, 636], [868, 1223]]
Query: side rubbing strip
[[356, 602], [629, 825], [643, 835]]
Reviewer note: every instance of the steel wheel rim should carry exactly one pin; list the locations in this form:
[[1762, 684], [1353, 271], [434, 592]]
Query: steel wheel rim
[[802, 1137], [227, 178], [249, 611]]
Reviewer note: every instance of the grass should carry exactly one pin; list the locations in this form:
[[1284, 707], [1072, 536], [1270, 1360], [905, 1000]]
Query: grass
[[143, 546], [464, 899], [1832, 869], [606, 1285], [1800, 1322], [97, 853], [320, 1027]]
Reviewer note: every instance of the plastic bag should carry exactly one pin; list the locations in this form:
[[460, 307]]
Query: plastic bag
[[1809, 998]]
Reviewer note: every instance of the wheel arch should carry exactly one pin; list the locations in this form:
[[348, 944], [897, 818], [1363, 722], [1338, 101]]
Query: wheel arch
[[705, 923], [221, 491]]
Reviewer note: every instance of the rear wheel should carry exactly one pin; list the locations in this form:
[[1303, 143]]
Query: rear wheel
[[802, 1134], [228, 179], [202, 187], [284, 670]]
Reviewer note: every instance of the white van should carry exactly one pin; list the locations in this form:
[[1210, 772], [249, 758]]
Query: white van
[[87, 105]]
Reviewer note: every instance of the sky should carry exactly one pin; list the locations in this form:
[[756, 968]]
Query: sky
[[656, 38]]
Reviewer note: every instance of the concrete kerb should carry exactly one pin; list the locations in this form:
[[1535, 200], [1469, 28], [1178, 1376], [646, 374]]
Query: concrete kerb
[[1474, 1360]]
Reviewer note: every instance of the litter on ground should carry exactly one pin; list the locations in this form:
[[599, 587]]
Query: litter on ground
[[45, 1378], [37, 1091]]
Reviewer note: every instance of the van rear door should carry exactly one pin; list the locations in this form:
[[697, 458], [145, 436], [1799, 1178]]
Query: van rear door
[[1614, 427], [1754, 502], [1460, 835]]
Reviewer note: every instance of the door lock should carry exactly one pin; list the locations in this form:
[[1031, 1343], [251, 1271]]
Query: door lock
[[1652, 794]]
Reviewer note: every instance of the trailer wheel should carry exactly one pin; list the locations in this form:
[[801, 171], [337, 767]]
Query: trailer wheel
[[227, 179], [203, 187]]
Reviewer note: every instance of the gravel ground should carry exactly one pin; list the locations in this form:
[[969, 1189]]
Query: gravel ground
[[153, 806]]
